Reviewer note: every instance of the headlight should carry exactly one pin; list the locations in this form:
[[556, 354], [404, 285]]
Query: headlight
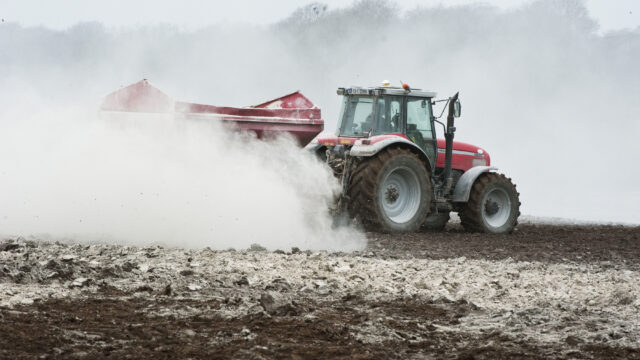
[[479, 162]]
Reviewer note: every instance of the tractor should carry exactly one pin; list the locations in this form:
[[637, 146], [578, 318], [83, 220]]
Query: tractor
[[397, 177]]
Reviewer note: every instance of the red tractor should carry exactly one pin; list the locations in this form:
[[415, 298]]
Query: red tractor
[[397, 177]]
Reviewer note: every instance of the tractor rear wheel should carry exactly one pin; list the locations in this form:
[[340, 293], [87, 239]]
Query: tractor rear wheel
[[390, 192], [493, 207]]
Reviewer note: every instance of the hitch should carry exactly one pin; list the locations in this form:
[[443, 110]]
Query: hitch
[[344, 181], [341, 163]]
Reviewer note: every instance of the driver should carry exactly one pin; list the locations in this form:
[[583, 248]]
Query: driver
[[368, 121]]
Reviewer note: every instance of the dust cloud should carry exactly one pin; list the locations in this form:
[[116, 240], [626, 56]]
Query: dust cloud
[[552, 99], [156, 179]]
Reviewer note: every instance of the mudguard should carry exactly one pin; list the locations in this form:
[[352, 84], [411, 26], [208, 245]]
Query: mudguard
[[313, 147], [360, 149], [463, 187]]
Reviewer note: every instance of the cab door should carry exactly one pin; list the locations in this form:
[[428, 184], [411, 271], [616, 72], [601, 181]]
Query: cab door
[[419, 128]]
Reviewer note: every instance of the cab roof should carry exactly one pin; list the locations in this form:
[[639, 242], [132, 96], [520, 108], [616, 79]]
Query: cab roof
[[387, 90]]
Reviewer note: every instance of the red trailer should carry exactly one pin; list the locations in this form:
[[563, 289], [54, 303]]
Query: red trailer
[[293, 113]]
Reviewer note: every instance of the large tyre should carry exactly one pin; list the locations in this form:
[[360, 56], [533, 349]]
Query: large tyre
[[436, 222], [493, 207], [390, 192]]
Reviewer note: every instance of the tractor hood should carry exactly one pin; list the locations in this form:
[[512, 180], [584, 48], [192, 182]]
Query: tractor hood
[[465, 156]]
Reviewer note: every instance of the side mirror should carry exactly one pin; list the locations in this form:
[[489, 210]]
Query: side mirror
[[457, 108]]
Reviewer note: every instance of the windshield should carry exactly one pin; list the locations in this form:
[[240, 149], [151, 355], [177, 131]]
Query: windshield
[[356, 115], [361, 115]]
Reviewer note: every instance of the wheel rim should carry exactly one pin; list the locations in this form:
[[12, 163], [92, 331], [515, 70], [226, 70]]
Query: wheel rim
[[496, 208], [400, 194]]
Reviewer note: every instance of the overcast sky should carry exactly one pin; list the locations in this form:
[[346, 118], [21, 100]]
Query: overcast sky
[[611, 14]]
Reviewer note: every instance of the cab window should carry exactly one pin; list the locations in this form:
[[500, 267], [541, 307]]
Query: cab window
[[388, 115], [419, 124], [356, 115]]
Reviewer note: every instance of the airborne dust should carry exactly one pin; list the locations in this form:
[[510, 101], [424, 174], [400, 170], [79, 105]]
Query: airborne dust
[[554, 101]]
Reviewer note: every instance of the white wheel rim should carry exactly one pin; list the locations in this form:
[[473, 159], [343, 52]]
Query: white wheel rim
[[400, 195], [496, 207]]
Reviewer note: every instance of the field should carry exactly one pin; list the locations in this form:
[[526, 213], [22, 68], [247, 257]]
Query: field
[[546, 291]]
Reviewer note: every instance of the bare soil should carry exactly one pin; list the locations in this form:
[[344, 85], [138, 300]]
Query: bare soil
[[530, 242], [131, 311]]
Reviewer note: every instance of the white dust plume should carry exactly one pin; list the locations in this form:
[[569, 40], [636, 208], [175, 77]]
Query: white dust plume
[[153, 179]]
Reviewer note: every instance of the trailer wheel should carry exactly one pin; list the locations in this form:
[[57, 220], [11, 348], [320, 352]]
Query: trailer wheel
[[390, 192], [436, 222], [493, 207]]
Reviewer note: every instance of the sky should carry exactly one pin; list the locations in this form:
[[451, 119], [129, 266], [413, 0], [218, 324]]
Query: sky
[[192, 14], [541, 90]]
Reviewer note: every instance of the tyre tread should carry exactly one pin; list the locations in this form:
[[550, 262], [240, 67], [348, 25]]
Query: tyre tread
[[362, 188], [471, 214]]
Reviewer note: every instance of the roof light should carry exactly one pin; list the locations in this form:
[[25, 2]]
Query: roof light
[[386, 83], [406, 87]]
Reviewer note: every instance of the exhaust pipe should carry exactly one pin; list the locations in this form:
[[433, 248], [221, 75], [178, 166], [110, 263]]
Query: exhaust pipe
[[448, 136]]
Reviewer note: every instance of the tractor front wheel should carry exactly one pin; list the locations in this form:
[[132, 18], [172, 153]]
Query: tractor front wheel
[[493, 207]]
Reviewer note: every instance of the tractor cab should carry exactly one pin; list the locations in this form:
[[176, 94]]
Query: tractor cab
[[372, 112]]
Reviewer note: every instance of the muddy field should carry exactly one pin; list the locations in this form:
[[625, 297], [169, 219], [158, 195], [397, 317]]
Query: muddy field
[[542, 292]]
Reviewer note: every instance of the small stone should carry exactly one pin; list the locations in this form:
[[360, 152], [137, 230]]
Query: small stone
[[151, 254], [245, 332], [146, 268], [167, 290], [186, 272], [268, 303], [80, 282], [79, 355], [31, 244], [188, 333], [194, 264], [295, 250], [26, 301], [8, 246], [194, 287], [614, 335], [144, 288], [128, 266], [25, 268], [624, 297], [278, 284], [242, 282], [573, 340], [68, 258]]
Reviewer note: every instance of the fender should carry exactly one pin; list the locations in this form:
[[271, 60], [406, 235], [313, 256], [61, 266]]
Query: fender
[[313, 147], [368, 150], [463, 187]]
